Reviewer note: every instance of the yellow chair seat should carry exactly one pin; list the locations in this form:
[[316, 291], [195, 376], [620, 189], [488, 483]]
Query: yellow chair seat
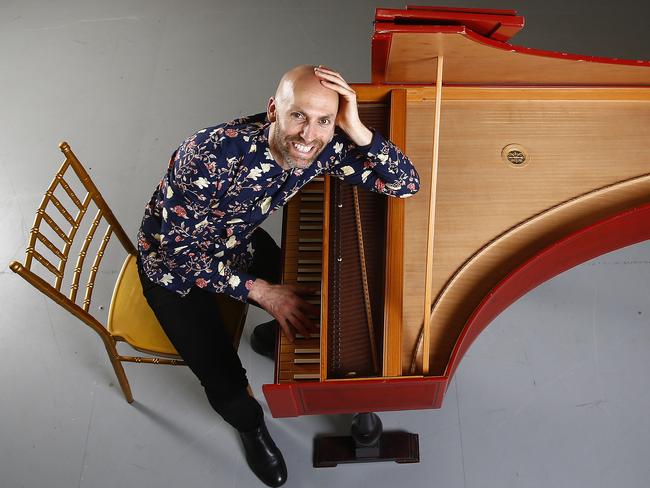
[[130, 317]]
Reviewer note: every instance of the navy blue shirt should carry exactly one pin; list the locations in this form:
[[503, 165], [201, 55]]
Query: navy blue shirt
[[222, 182]]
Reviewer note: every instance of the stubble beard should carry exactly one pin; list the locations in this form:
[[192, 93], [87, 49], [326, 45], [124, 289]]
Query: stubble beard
[[282, 145]]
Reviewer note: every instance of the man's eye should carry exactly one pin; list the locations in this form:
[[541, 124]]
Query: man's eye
[[325, 121], [296, 115]]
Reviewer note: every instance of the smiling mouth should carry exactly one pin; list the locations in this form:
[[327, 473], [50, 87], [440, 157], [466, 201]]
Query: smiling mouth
[[302, 148]]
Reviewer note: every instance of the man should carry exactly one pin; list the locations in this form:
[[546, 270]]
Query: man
[[200, 231]]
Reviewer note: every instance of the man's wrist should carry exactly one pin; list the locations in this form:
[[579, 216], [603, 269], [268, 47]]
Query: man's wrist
[[257, 290], [360, 135]]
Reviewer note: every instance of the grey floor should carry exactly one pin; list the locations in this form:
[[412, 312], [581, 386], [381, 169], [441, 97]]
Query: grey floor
[[554, 393]]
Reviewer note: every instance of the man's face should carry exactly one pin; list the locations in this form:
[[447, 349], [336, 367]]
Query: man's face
[[303, 124]]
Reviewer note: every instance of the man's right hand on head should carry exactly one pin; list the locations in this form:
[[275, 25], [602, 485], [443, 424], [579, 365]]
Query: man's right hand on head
[[287, 304]]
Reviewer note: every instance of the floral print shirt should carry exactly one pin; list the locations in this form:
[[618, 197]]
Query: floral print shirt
[[222, 182]]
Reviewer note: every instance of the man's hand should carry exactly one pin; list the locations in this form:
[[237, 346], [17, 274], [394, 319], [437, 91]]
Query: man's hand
[[348, 115], [287, 305]]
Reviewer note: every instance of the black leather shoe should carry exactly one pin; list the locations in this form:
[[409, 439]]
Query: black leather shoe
[[263, 338], [263, 456]]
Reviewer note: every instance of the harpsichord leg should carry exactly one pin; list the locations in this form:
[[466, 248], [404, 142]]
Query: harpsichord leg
[[367, 442]]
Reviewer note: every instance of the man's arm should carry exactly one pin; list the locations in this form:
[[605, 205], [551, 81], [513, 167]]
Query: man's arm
[[380, 167], [365, 158]]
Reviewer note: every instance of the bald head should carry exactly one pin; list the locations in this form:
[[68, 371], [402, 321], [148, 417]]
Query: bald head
[[302, 82]]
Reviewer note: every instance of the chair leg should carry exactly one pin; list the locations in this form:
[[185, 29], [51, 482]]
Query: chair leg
[[119, 372]]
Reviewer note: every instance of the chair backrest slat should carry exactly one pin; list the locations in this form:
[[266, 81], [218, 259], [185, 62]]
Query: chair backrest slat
[[93, 269], [73, 232], [82, 255], [50, 245], [57, 203], [73, 196], [50, 221], [50, 267]]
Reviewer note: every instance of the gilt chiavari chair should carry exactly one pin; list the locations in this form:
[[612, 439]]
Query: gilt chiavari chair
[[60, 220]]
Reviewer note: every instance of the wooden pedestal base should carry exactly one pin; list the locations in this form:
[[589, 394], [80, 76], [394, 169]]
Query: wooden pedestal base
[[367, 443]]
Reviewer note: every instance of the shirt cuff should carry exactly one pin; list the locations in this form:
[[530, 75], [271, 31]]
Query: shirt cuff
[[239, 285]]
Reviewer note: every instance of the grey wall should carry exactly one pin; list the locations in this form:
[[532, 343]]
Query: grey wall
[[554, 393]]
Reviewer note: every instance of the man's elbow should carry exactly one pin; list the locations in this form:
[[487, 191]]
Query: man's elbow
[[412, 187], [413, 182], [403, 190]]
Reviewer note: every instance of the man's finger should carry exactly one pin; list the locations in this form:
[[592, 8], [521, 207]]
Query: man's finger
[[302, 318], [310, 309], [301, 323], [330, 70], [334, 81], [334, 78], [304, 321], [337, 88], [286, 328]]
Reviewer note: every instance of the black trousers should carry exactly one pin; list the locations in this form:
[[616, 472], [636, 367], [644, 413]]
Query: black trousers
[[196, 330]]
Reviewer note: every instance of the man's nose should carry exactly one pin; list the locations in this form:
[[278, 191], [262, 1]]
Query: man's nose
[[308, 132]]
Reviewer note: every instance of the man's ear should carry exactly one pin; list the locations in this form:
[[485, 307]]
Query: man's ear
[[271, 113]]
